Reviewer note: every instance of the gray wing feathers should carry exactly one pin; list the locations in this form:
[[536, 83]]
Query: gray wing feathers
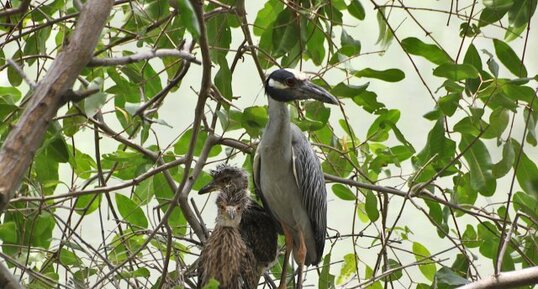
[[309, 177]]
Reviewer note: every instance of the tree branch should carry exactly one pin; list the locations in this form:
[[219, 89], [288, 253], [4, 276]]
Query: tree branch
[[526, 276], [13, 11], [143, 56], [27, 135], [7, 280]]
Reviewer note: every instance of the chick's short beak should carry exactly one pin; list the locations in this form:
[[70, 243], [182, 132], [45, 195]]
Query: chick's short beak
[[212, 186], [232, 212]]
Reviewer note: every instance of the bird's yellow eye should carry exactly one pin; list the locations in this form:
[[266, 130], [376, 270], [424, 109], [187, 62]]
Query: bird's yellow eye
[[290, 82]]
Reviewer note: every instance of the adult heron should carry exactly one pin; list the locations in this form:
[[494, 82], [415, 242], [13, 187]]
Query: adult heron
[[244, 242], [287, 173]]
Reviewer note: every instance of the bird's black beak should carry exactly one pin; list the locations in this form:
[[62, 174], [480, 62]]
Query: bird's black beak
[[211, 187], [308, 90]]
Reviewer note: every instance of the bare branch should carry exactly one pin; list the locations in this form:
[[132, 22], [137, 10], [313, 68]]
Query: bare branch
[[135, 181], [527, 276], [13, 11], [143, 56]]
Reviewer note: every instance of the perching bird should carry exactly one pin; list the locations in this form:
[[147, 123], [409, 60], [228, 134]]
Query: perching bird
[[287, 173], [244, 241]]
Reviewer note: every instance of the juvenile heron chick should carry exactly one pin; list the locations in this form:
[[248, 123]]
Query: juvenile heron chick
[[244, 241]]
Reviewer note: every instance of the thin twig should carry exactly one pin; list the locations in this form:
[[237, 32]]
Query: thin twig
[[145, 55]]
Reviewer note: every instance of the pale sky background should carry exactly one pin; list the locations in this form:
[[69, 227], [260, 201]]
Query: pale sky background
[[409, 96]]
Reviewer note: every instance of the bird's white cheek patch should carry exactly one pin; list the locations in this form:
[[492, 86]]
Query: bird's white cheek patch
[[276, 84]]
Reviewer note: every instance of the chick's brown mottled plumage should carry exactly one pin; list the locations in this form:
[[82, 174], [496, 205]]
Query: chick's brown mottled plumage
[[244, 241]]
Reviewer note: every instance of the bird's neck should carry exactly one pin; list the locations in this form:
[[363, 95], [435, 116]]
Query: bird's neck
[[228, 224], [278, 127]]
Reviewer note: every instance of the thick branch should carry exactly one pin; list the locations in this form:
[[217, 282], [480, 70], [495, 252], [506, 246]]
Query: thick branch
[[143, 56], [527, 276], [7, 280], [24, 139]]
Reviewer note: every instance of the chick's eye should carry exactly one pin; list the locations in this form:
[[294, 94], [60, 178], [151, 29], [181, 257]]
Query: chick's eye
[[290, 81]]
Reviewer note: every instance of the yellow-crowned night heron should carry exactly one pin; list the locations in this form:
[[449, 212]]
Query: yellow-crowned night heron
[[244, 241], [287, 173]]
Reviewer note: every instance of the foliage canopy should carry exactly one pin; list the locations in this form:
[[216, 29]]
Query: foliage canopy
[[441, 202]]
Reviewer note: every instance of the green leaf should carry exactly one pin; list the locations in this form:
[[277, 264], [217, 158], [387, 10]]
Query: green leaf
[[348, 269], [379, 130], [509, 58], [431, 52], [188, 17], [488, 235], [498, 4], [461, 265], [326, 279], [46, 172], [530, 117], [368, 101], [489, 16], [131, 212], [254, 119], [128, 164], [212, 284], [396, 275], [350, 46], [164, 195], [87, 204], [498, 121], [140, 272], [472, 57], [480, 166], [93, 103], [385, 33], [181, 147], [456, 72], [343, 192], [390, 75], [74, 122], [470, 237], [81, 163], [464, 193], [449, 103], [8, 232], [518, 17], [371, 206], [285, 33], [421, 253], [314, 44], [526, 172], [68, 258], [348, 90], [223, 80], [219, 36], [356, 10], [266, 16], [143, 192], [501, 168], [448, 277]]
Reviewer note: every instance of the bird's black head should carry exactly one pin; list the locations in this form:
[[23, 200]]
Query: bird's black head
[[287, 84], [226, 178]]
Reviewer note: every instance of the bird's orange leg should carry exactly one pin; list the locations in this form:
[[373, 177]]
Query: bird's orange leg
[[289, 247], [300, 255]]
